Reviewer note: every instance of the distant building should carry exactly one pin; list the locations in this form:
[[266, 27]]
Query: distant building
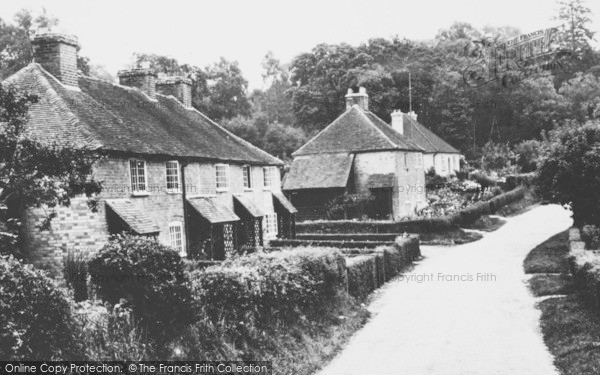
[[358, 153], [169, 170], [438, 154]]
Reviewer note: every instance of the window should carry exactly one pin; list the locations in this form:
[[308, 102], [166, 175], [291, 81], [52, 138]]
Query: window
[[137, 169], [270, 226], [269, 176], [406, 160], [247, 176], [222, 171], [176, 237], [444, 164], [419, 163], [450, 164], [172, 176]]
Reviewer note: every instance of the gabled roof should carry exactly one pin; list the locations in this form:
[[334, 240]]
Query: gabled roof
[[279, 198], [107, 116], [135, 218], [212, 210], [248, 205], [425, 138], [319, 171], [356, 130]]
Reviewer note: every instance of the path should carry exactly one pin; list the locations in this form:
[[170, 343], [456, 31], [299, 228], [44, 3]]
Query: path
[[485, 324]]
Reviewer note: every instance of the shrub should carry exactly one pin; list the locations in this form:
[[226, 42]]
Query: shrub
[[362, 276], [482, 179], [348, 206], [35, 315], [569, 169], [275, 287], [150, 277], [527, 154], [433, 180], [109, 333], [75, 272], [496, 156], [590, 234]]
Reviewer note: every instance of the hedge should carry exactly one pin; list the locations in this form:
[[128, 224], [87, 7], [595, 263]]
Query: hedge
[[327, 243], [369, 269], [271, 287], [430, 225]]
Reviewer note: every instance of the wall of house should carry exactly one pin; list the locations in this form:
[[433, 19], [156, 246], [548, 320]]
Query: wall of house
[[446, 164], [79, 229], [409, 184]]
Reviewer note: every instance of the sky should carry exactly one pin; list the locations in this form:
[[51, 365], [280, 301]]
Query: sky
[[200, 32]]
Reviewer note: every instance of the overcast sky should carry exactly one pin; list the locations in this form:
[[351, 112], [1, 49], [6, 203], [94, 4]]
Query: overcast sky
[[199, 32]]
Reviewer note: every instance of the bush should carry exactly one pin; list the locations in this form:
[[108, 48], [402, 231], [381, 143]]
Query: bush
[[496, 156], [150, 277], [35, 316], [348, 206], [569, 169], [527, 154], [275, 287], [75, 272], [109, 333], [362, 276], [433, 180], [590, 234]]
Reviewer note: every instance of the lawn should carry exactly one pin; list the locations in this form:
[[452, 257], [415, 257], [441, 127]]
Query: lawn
[[571, 327]]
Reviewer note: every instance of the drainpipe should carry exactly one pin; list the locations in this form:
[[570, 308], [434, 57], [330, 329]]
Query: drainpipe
[[185, 208]]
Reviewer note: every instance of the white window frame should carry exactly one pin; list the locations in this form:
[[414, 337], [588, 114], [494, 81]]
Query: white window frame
[[270, 229], [269, 182], [247, 176], [135, 190], [444, 164], [419, 163], [178, 182], [173, 237], [226, 171]]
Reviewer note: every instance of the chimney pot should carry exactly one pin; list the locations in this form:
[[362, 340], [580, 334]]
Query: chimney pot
[[143, 79], [57, 54], [398, 121]]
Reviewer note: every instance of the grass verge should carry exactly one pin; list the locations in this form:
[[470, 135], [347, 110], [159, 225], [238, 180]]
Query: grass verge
[[570, 326], [456, 237]]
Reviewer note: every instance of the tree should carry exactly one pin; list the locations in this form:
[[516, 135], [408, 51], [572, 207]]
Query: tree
[[274, 101], [226, 90], [569, 169], [574, 33], [15, 41], [34, 174]]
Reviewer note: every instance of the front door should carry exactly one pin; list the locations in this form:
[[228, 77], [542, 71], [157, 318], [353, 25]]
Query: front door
[[382, 203]]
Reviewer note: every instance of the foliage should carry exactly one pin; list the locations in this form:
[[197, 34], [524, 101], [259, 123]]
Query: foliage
[[574, 29], [109, 333], [36, 320], [496, 157], [262, 289], [75, 272], [275, 138], [349, 206], [33, 174], [150, 277], [527, 154], [569, 170], [433, 180], [590, 234]]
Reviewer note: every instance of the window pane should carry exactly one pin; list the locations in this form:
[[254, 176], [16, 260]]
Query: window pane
[[138, 175], [172, 175]]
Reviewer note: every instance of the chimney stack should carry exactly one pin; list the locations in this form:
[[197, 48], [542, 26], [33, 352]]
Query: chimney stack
[[361, 98], [413, 115], [179, 87], [398, 121], [141, 78], [57, 54]]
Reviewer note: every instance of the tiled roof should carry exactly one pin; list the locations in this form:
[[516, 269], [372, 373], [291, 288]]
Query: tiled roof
[[247, 203], [212, 210], [106, 116], [356, 130], [136, 218], [425, 138], [319, 171], [284, 202]]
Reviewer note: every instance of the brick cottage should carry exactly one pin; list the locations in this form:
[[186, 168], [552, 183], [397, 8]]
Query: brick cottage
[[168, 170]]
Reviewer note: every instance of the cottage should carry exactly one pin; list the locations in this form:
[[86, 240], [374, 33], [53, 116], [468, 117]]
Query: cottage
[[438, 154], [358, 153], [168, 171]]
